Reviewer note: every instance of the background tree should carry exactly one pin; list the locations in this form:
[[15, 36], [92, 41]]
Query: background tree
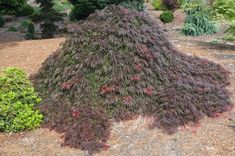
[[48, 17], [83, 8]]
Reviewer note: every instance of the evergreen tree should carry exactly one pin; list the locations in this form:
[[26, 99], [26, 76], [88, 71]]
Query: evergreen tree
[[49, 16]]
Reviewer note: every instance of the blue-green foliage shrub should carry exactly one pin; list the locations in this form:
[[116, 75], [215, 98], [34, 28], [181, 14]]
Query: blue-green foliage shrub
[[17, 102], [197, 20]]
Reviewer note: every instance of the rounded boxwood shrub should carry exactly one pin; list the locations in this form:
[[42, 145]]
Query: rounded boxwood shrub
[[25, 10], [2, 21], [17, 101], [167, 16]]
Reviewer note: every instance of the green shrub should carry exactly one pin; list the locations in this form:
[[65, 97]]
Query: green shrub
[[17, 101], [197, 19], [12, 29], [48, 16], [158, 5], [35, 17], [61, 6], [167, 16], [24, 24], [184, 4], [28, 27], [83, 8], [230, 33], [30, 31], [224, 9], [25, 10], [11, 6], [2, 21]]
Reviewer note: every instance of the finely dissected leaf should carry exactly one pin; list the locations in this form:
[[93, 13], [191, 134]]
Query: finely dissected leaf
[[119, 64]]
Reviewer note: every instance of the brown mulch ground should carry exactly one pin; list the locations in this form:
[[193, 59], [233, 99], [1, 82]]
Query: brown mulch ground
[[27, 55], [214, 137]]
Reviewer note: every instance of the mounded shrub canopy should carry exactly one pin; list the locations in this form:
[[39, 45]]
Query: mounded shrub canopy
[[118, 65]]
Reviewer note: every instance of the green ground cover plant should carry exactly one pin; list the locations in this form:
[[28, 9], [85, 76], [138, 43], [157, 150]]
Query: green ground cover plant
[[17, 102]]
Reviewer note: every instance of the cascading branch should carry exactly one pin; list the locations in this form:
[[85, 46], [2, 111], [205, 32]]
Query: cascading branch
[[118, 65]]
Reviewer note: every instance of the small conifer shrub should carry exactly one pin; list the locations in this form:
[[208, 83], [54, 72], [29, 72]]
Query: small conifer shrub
[[48, 17], [30, 31]]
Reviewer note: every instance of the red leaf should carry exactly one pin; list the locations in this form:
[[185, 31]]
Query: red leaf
[[148, 91], [138, 67], [76, 114], [127, 99], [135, 78]]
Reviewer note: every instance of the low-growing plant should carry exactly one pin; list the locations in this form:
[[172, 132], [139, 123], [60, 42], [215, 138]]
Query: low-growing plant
[[17, 101], [158, 5], [30, 31], [167, 16], [184, 4], [230, 33], [233, 122], [197, 20], [12, 29], [24, 24], [2, 21]]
